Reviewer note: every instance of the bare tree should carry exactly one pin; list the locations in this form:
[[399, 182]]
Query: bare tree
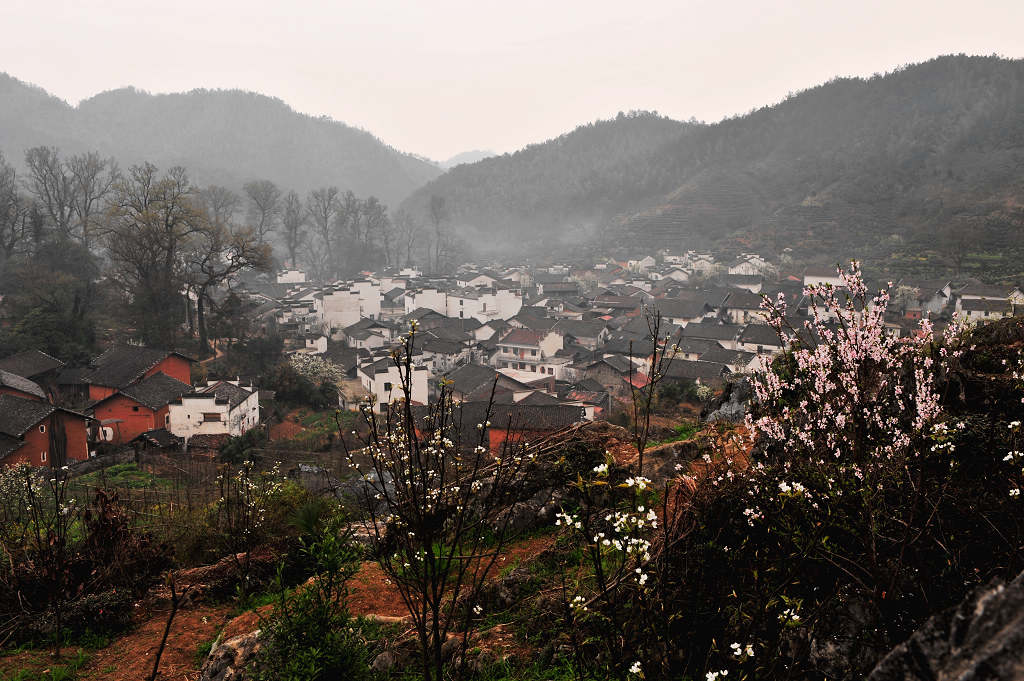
[[148, 226], [293, 219], [13, 211], [377, 229], [323, 207], [53, 185], [219, 250], [93, 180], [407, 230], [264, 207], [438, 217]]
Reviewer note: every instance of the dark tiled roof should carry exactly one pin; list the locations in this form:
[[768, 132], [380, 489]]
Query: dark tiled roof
[[724, 356], [522, 337], [16, 382], [29, 363], [581, 329], [123, 365], [18, 414], [538, 398], [233, 394], [760, 334], [678, 308], [470, 378], [744, 300], [156, 391], [712, 330], [694, 369], [160, 438]]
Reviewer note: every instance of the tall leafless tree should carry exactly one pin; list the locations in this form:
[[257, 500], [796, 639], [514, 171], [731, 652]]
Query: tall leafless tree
[[93, 179], [218, 251], [264, 207], [13, 212], [438, 218], [407, 231], [293, 221], [323, 207], [53, 185], [149, 223]]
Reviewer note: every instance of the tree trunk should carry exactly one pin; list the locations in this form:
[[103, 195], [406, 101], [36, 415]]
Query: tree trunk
[[204, 345]]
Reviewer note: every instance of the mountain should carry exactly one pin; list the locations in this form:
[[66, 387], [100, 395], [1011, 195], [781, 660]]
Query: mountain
[[222, 136], [577, 179], [466, 157], [895, 159]]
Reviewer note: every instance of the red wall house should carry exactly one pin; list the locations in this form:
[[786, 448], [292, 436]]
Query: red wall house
[[28, 435], [138, 408], [136, 418], [122, 366]]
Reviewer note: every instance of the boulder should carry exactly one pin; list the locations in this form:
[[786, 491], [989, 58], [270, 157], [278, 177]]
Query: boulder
[[229, 660], [982, 639]]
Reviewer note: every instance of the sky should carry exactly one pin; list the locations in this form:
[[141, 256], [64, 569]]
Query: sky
[[439, 77]]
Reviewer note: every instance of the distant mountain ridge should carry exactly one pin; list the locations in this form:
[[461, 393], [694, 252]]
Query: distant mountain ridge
[[833, 169], [466, 157], [226, 137]]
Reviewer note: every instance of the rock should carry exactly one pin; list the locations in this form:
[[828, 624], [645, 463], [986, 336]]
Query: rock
[[384, 662], [982, 639], [229, 660], [732, 405]]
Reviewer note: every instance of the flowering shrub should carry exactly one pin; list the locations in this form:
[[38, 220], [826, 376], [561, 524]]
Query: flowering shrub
[[247, 499], [438, 507], [865, 504]]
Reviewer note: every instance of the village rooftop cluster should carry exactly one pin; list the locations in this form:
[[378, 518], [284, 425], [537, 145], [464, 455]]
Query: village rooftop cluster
[[556, 345]]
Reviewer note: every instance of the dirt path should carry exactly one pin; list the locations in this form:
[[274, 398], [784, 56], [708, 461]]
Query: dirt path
[[131, 656]]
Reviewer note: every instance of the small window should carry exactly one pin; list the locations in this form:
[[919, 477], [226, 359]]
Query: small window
[[167, 419], [383, 406], [42, 457], [387, 386], [42, 429], [213, 416], [533, 353], [135, 408]]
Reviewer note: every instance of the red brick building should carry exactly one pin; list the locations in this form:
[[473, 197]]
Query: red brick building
[[138, 408], [40, 434], [125, 365]]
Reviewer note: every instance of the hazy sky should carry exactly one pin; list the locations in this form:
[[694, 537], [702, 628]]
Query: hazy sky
[[437, 77]]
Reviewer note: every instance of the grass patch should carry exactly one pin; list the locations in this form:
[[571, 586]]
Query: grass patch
[[125, 476], [67, 671], [684, 431]]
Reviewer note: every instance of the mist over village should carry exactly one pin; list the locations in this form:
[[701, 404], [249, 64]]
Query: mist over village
[[561, 342]]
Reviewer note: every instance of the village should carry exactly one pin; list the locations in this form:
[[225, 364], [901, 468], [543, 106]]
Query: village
[[549, 346]]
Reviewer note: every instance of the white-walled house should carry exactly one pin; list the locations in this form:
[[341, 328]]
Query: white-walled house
[[429, 298], [221, 408], [291, 277], [382, 379], [815, 276]]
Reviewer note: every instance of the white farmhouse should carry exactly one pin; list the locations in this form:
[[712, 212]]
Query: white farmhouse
[[291, 277], [382, 379], [222, 408]]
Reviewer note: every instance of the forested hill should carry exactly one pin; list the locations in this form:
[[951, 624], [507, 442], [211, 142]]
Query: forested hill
[[576, 179], [222, 136], [897, 158]]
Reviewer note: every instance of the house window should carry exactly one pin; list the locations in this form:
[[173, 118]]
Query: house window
[[42, 456], [533, 353], [167, 419], [42, 429], [135, 408], [387, 386], [383, 406], [214, 416]]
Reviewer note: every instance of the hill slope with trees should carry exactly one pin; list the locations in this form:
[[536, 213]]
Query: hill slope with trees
[[903, 157], [223, 136]]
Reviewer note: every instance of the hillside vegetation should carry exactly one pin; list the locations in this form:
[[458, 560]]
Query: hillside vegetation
[[226, 137], [902, 158]]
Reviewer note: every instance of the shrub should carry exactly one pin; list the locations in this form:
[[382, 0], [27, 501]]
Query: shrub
[[310, 635]]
